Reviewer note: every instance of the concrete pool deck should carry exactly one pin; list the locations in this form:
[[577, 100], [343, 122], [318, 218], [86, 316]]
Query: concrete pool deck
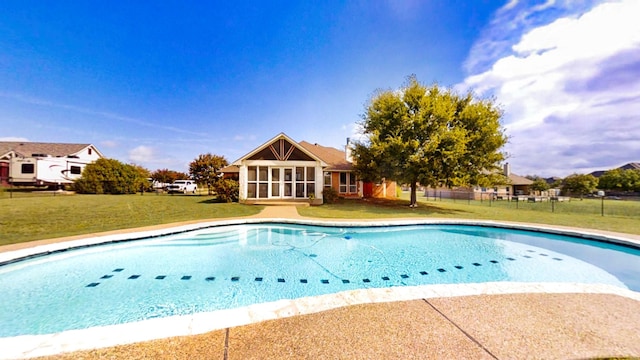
[[504, 321]]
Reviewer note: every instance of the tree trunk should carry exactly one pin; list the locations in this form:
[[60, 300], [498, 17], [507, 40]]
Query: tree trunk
[[414, 187]]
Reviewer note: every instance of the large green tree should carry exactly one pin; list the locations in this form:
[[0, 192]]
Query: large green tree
[[204, 169], [620, 180], [579, 184], [431, 136], [110, 176]]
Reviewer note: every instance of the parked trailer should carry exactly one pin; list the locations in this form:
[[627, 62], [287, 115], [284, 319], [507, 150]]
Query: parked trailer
[[46, 170]]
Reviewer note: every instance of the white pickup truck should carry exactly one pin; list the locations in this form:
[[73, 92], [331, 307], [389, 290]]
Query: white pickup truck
[[183, 186]]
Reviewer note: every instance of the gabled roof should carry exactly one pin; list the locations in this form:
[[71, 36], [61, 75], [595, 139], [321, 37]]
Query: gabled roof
[[27, 149], [280, 147], [631, 166], [628, 166], [519, 180], [335, 159]]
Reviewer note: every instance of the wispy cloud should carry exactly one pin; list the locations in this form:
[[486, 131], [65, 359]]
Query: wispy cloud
[[102, 114], [569, 86]]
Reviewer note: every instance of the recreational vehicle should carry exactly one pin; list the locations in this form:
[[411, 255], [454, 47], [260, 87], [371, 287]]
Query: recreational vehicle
[[44, 164]]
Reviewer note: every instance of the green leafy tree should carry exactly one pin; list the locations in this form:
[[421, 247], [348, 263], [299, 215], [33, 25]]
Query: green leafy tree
[[539, 184], [620, 180], [110, 176], [204, 169], [227, 190], [579, 184], [430, 136]]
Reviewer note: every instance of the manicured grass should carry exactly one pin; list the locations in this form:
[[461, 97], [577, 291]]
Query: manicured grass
[[575, 213], [33, 218]]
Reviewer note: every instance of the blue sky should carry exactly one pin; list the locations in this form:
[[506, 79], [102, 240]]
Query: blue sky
[[157, 83]]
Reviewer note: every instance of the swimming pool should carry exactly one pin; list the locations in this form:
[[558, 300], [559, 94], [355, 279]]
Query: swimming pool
[[237, 265]]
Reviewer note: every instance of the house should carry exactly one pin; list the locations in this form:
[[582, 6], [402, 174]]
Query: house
[[515, 185], [43, 164], [628, 166], [282, 169]]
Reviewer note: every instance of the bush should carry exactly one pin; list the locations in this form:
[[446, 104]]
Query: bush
[[330, 196], [110, 176], [227, 190]]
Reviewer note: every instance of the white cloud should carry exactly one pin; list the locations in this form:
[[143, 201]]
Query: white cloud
[[570, 89], [142, 154]]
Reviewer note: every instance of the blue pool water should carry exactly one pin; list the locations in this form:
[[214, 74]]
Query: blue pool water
[[232, 266]]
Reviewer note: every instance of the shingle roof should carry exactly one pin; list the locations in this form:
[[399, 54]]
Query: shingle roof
[[24, 148], [519, 180], [336, 159]]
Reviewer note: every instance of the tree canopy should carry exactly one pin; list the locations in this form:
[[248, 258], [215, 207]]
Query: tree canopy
[[579, 184], [167, 176], [620, 180], [430, 136], [110, 176], [204, 169]]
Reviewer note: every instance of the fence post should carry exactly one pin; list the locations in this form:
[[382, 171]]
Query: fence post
[[602, 207]]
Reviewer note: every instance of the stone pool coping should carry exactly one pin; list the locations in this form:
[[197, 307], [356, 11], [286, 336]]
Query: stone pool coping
[[98, 337]]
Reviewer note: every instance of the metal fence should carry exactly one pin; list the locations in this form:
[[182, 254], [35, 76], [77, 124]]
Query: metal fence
[[603, 205]]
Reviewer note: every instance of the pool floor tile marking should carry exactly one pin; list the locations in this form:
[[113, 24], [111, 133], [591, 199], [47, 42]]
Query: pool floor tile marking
[[511, 259], [442, 270], [544, 255], [133, 277], [186, 277], [210, 278], [458, 267], [493, 261], [280, 280], [345, 281], [558, 259], [366, 280], [258, 279], [527, 256], [404, 276], [106, 277], [324, 281], [118, 270], [161, 277], [385, 278], [477, 264], [93, 284], [304, 281], [424, 273], [235, 278]]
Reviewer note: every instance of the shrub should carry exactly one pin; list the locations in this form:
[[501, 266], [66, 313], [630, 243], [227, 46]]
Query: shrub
[[227, 190], [110, 176], [330, 196]]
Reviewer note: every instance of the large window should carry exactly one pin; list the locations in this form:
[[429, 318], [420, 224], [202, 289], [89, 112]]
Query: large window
[[258, 182], [76, 170], [327, 179], [348, 183]]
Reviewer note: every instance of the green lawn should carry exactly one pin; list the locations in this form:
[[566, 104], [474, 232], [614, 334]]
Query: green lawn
[[584, 214], [28, 218], [41, 217]]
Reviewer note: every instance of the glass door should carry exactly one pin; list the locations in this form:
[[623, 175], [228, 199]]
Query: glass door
[[275, 182], [288, 182]]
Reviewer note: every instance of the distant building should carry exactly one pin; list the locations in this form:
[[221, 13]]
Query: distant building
[[628, 166]]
